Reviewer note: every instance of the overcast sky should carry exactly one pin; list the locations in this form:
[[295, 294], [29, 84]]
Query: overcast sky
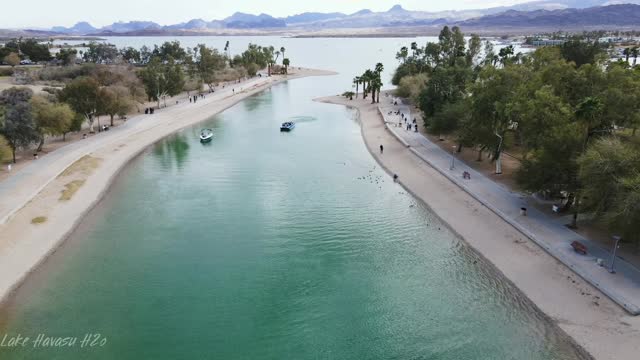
[[45, 13]]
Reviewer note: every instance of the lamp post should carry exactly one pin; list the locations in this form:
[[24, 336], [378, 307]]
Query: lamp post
[[453, 159], [613, 254], [499, 158]]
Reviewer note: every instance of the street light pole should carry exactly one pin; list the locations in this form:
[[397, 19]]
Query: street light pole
[[499, 158], [613, 254], [453, 159]]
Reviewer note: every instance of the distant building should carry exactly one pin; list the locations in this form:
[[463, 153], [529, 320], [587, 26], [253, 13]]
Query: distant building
[[539, 43]]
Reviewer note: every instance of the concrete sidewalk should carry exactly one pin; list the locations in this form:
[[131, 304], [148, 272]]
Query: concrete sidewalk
[[622, 287]]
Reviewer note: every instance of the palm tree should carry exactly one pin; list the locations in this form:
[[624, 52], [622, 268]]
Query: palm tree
[[635, 52], [277, 56], [282, 50], [378, 78], [367, 77], [403, 54], [286, 64], [626, 52], [356, 81], [269, 65], [414, 48], [376, 85]]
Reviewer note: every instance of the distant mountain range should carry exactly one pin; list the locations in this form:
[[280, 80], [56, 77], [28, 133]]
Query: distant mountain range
[[547, 13], [604, 16]]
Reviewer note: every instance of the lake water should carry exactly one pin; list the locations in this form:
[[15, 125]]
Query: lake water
[[269, 245]]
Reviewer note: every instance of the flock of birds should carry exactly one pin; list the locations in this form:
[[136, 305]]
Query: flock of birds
[[373, 178]]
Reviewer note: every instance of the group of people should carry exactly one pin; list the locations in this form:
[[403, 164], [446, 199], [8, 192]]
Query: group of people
[[194, 98], [407, 124], [149, 111]]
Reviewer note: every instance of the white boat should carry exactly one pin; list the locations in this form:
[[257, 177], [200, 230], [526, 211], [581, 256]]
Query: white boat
[[287, 126], [206, 135]]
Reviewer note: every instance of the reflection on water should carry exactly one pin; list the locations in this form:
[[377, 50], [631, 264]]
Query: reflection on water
[[172, 151]]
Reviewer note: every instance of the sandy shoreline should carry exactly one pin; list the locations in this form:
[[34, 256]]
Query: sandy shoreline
[[36, 218], [595, 322]]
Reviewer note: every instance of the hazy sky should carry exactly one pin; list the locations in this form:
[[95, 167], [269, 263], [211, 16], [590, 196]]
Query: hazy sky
[[45, 13]]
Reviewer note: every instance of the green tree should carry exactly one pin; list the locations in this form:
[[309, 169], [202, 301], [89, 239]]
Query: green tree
[[162, 79], [131, 55], [609, 172], [553, 166], [73, 126], [581, 51], [12, 59], [5, 150], [17, 125], [170, 50], [50, 118], [67, 56], [82, 94], [115, 100], [100, 53], [207, 63], [286, 62]]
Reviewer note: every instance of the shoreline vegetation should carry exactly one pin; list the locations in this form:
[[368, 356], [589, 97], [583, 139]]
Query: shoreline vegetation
[[568, 111], [604, 330]]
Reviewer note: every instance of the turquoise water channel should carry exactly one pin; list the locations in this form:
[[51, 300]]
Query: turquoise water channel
[[269, 245]]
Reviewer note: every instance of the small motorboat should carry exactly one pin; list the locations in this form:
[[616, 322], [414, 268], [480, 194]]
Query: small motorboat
[[287, 126], [206, 135]]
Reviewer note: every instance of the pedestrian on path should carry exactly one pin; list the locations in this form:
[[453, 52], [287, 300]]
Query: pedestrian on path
[[381, 149]]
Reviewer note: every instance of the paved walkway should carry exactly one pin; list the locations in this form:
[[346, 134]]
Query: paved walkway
[[622, 287]]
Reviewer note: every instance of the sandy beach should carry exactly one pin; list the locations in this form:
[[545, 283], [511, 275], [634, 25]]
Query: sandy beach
[[597, 324], [42, 206]]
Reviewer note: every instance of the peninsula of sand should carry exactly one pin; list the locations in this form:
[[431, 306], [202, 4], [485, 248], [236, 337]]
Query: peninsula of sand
[[43, 202], [596, 323]]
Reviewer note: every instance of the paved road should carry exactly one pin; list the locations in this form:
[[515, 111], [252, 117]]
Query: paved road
[[623, 287]]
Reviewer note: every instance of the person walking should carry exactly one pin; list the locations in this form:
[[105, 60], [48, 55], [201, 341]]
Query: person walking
[[381, 149]]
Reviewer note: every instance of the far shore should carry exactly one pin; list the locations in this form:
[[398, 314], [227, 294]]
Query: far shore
[[603, 329], [45, 205]]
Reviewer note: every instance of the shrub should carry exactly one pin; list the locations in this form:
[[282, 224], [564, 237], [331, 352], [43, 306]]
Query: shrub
[[6, 71]]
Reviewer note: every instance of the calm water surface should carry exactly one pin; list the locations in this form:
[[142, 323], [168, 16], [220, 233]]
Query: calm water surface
[[265, 245]]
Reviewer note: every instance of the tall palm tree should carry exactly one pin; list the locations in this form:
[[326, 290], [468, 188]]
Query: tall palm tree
[[376, 85], [367, 77], [277, 55], [356, 81], [378, 77], [282, 50], [626, 52], [379, 68], [635, 52]]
